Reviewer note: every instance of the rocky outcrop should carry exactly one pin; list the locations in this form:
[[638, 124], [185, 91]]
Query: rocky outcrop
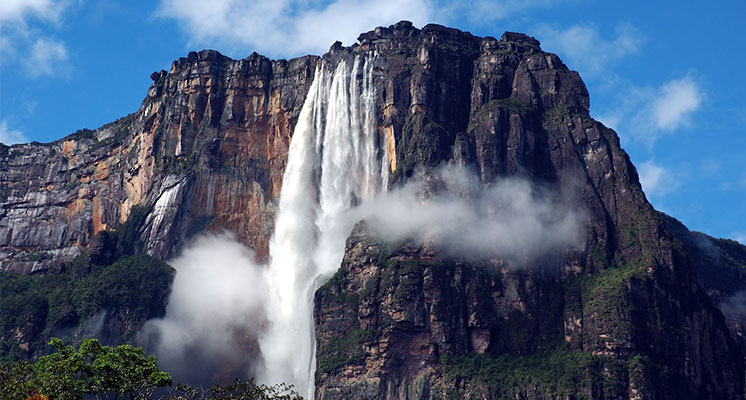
[[720, 269], [205, 151], [625, 316]]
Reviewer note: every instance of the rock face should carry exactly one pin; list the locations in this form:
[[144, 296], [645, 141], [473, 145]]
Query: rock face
[[632, 314], [205, 151], [401, 321]]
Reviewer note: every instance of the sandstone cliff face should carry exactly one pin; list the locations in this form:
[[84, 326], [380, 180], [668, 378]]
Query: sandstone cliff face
[[205, 151], [629, 315], [400, 321]]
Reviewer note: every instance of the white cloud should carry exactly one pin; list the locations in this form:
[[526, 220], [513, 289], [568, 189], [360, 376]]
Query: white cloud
[[737, 183], [647, 113], [295, 27], [482, 12], [663, 110], [740, 237], [23, 40], [19, 11], [655, 179], [584, 49], [46, 57], [286, 27], [10, 136], [675, 101], [611, 120]]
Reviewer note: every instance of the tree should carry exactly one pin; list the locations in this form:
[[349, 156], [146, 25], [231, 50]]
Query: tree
[[93, 369], [113, 373], [249, 390], [14, 380]]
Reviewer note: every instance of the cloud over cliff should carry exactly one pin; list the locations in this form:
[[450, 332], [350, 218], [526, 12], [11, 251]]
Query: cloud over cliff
[[511, 218]]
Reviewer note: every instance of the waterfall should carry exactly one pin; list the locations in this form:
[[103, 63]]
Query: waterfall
[[334, 163]]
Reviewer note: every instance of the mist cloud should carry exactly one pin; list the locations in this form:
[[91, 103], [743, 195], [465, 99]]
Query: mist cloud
[[734, 307], [510, 219], [214, 313]]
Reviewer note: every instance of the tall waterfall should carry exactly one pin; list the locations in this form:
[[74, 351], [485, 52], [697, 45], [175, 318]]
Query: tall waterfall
[[334, 163]]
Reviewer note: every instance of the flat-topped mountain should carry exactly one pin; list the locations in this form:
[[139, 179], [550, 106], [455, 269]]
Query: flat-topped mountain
[[633, 309]]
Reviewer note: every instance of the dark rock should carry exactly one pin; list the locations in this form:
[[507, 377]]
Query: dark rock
[[630, 301], [103, 249]]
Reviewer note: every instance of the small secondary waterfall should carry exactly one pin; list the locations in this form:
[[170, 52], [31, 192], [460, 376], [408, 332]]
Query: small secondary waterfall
[[334, 163]]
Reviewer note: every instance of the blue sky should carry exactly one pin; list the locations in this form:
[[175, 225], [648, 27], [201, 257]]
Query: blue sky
[[670, 79]]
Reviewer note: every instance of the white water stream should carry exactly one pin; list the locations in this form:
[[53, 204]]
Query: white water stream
[[334, 163]]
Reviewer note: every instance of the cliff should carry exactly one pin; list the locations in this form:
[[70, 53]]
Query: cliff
[[630, 314], [205, 151]]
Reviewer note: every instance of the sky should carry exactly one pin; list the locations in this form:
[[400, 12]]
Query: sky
[[668, 76]]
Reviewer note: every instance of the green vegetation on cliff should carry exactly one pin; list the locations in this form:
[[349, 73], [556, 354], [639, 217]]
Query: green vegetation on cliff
[[75, 299], [108, 293], [557, 373]]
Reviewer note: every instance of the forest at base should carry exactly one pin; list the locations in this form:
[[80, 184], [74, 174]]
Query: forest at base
[[105, 372]]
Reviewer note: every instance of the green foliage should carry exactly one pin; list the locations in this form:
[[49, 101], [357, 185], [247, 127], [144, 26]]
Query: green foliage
[[40, 306], [15, 380], [510, 104], [423, 140], [556, 115], [112, 373], [249, 390], [177, 165], [640, 371], [37, 256], [81, 133], [405, 276], [341, 351], [606, 295], [93, 369], [133, 283], [731, 260], [340, 292], [346, 350], [561, 372], [72, 299]]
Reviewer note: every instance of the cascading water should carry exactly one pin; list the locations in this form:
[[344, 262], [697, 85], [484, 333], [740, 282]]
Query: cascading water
[[334, 163]]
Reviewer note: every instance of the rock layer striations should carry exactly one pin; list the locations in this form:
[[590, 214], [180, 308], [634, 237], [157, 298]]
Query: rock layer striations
[[205, 151]]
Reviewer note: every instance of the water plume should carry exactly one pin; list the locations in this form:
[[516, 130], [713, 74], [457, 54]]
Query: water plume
[[333, 165]]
